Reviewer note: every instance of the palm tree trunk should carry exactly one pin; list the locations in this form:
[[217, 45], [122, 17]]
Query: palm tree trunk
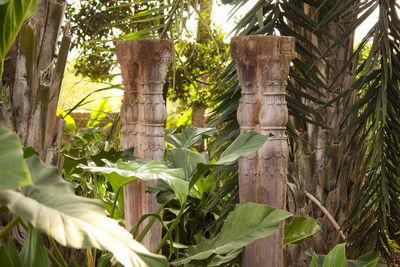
[[32, 79], [318, 165]]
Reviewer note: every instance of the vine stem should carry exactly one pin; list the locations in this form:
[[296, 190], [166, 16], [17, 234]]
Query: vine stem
[[173, 226], [9, 226], [115, 202], [326, 212], [53, 259], [57, 251], [150, 223]]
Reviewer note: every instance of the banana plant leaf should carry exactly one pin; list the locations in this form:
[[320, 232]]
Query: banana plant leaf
[[245, 224], [51, 206], [14, 172], [121, 173]]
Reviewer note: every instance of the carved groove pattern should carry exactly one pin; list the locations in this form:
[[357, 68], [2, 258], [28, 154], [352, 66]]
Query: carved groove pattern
[[262, 64], [144, 64]]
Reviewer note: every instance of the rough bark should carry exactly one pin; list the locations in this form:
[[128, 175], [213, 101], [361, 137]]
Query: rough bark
[[318, 164], [262, 64], [32, 80], [144, 66]]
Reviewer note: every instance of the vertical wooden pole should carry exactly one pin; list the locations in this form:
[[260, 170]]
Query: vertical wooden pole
[[144, 64], [262, 64]]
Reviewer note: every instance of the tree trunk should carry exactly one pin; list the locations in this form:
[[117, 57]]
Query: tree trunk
[[33, 72], [318, 165], [31, 82]]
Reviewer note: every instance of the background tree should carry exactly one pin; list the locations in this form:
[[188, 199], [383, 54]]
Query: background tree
[[32, 77], [200, 56], [342, 128]]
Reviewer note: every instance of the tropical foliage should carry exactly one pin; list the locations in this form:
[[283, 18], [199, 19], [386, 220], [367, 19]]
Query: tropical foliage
[[344, 115], [343, 131]]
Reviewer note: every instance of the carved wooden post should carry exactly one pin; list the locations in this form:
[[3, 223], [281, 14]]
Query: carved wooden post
[[144, 64], [262, 64]]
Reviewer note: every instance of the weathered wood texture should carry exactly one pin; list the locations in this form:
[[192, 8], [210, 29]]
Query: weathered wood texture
[[144, 64], [262, 64], [32, 80]]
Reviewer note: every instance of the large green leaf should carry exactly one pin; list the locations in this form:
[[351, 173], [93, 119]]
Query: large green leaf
[[247, 223], [4, 257], [300, 229], [121, 173], [13, 13], [190, 136], [314, 261], [336, 257], [367, 260], [14, 172], [13, 253], [186, 159], [34, 252], [51, 207], [245, 144]]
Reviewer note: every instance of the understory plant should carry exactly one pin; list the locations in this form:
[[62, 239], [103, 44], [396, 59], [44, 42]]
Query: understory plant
[[41, 200], [203, 223]]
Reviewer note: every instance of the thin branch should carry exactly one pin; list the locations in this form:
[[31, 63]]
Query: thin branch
[[326, 212], [170, 16]]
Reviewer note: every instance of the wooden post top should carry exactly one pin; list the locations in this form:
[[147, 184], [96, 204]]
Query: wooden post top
[[261, 58], [253, 46], [143, 50]]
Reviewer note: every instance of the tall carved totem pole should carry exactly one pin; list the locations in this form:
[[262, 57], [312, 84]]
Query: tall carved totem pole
[[144, 64], [262, 64]]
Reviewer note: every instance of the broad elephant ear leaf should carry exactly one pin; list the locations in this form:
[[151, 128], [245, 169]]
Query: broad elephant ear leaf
[[121, 173], [245, 224], [186, 159], [190, 136], [14, 172], [245, 144], [51, 206], [300, 229]]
